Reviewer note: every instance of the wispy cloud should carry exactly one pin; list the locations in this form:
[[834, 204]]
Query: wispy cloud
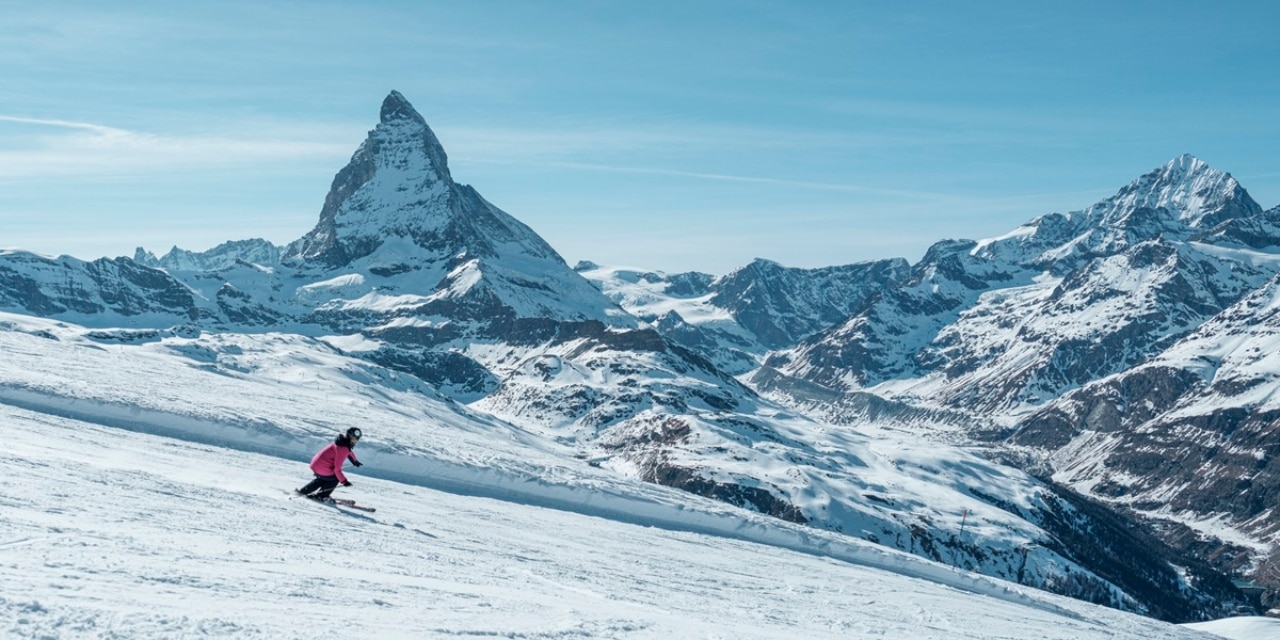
[[802, 184], [64, 148], [571, 140], [644, 149], [86, 126]]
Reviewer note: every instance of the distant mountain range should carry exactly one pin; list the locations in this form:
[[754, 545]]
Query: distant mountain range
[[1120, 357], [1115, 349]]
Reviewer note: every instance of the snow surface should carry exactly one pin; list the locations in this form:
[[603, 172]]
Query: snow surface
[[644, 294], [1245, 628], [146, 497]]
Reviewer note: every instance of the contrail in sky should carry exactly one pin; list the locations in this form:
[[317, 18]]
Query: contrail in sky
[[67, 124]]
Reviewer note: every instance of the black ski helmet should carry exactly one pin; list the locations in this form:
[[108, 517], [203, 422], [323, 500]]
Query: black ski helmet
[[353, 433]]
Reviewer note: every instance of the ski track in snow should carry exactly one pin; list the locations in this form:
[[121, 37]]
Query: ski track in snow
[[120, 534]]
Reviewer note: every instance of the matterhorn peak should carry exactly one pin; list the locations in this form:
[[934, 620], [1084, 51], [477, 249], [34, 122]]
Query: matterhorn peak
[[402, 130], [394, 219], [397, 184], [396, 107]]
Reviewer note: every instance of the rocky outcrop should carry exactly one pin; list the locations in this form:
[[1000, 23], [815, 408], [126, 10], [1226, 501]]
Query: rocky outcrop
[[105, 292]]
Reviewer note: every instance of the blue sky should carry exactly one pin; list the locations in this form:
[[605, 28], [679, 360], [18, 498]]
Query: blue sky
[[669, 135]]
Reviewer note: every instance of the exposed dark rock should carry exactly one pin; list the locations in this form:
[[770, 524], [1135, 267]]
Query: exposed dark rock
[[753, 498], [783, 305], [1119, 551], [453, 373]]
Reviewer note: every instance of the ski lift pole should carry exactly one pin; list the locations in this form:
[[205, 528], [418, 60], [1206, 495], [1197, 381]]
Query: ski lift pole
[[964, 518]]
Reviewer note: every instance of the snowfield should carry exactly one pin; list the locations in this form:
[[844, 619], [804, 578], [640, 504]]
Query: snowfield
[[146, 497]]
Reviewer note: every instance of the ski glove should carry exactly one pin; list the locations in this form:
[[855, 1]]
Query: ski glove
[[356, 462], [346, 483]]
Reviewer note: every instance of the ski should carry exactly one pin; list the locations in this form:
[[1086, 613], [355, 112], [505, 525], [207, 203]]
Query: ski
[[343, 502]]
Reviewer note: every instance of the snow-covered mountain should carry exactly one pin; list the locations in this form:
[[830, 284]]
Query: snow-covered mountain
[[1017, 320], [734, 320], [412, 277], [117, 292], [224, 256], [395, 217], [1087, 336], [1204, 412]]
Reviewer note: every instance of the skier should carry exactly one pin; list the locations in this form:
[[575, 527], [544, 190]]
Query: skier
[[327, 465]]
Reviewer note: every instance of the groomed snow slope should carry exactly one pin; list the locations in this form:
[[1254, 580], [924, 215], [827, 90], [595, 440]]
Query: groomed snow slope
[[111, 534]]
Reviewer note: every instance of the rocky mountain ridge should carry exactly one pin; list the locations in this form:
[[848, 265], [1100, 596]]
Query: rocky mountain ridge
[[736, 319], [1076, 345]]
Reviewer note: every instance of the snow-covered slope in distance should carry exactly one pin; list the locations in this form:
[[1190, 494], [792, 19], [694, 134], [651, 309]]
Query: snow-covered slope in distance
[[1210, 399], [111, 529], [1107, 341], [680, 307], [735, 319]]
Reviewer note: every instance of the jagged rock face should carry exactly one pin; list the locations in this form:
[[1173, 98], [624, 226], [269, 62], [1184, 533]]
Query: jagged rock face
[[1194, 429], [240, 309], [1261, 232], [454, 374], [1176, 202], [781, 305], [1183, 195], [100, 293], [1066, 299], [1127, 344], [730, 351], [735, 319], [1025, 346], [883, 341], [224, 256], [395, 216], [398, 185]]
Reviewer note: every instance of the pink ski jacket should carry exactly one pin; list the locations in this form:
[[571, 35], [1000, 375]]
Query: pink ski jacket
[[330, 459]]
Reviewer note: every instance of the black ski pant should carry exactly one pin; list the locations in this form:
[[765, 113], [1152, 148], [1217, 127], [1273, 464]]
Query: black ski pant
[[320, 488]]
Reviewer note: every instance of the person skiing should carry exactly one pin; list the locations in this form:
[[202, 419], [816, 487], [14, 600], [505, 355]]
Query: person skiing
[[327, 465]]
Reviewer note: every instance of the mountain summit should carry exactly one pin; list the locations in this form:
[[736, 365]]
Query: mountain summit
[[1182, 199], [394, 215], [398, 185], [1053, 304], [1183, 195], [398, 113]]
